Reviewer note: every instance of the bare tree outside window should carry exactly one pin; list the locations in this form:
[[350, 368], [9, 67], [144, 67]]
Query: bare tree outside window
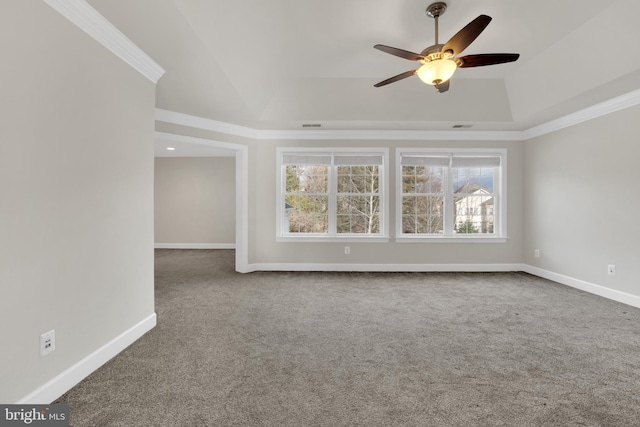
[[306, 194], [422, 200], [358, 200], [332, 193]]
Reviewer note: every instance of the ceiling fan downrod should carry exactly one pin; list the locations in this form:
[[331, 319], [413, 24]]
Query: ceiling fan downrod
[[434, 11]]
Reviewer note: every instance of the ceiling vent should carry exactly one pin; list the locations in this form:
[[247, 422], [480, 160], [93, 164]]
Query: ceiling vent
[[311, 125], [461, 126]]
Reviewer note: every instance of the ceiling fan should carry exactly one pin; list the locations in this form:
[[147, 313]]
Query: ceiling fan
[[439, 61]]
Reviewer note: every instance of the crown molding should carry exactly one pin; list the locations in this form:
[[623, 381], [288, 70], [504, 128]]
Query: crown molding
[[205, 124], [614, 104], [187, 120], [89, 20], [618, 103], [397, 135]]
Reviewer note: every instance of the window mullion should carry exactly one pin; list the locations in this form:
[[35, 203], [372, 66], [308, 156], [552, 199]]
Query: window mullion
[[449, 206], [333, 199], [497, 216]]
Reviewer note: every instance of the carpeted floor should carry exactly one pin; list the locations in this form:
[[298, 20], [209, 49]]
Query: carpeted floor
[[367, 349]]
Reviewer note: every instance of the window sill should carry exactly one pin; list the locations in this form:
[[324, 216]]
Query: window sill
[[449, 239], [332, 239]]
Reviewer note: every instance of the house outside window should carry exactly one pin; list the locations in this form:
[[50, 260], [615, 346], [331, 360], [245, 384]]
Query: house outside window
[[332, 194], [453, 194]]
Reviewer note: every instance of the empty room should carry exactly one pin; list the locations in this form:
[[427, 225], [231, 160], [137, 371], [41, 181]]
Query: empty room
[[374, 213]]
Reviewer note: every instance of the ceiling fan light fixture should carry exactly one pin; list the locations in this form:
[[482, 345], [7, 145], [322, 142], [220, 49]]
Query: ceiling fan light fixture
[[440, 61], [437, 71]]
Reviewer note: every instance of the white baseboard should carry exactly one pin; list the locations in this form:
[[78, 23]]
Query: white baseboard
[[592, 288], [384, 267], [62, 383], [195, 246]]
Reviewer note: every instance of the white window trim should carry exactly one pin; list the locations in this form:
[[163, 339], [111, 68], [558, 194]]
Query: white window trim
[[500, 226], [382, 237]]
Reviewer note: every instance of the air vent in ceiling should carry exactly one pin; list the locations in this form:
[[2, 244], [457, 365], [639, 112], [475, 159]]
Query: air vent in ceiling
[[311, 125], [461, 126]]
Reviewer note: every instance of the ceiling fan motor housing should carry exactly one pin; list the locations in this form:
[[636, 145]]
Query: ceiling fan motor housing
[[436, 48], [436, 9]]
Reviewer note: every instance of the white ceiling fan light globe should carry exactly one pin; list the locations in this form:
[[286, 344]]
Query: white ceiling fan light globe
[[437, 71]]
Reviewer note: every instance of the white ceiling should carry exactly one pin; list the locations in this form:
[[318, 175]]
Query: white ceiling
[[168, 145], [278, 64]]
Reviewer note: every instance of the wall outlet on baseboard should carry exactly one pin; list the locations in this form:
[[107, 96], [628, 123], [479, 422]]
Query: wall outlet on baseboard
[[536, 253], [611, 270], [47, 342], [347, 250]]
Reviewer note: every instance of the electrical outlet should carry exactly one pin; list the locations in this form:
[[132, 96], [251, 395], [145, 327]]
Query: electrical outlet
[[347, 250], [536, 253], [47, 342], [611, 269]]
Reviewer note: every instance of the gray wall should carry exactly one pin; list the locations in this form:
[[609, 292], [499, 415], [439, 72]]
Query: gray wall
[[195, 200], [582, 201], [76, 210]]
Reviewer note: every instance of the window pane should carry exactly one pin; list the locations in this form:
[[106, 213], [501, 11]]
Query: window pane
[[408, 184], [358, 203], [422, 179], [473, 200], [358, 214], [307, 213], [409, 224], [422, 213], [292, 180], [408, 170], [409, 205], [314, 179], [307, 222], [308, 179], [430, 205], [470, 180], [474, 214], [343, 224], [358, 183], [430, 180], [320, 224], [358, 179], [358, 224], [430, 224], [344, 183]]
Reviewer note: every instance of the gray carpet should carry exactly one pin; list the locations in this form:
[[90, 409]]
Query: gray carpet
[[366, 349]]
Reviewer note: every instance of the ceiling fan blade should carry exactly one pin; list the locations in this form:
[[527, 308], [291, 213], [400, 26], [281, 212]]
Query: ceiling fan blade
[[396, 78], [399, 52], [465, 36], [486, 59], [443, 87]]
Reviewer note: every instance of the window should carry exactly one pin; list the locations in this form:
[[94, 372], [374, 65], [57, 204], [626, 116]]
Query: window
[[455, 195], [331, 194]]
